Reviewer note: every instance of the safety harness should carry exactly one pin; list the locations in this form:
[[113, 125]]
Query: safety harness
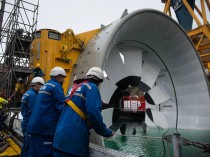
[[74, 106]]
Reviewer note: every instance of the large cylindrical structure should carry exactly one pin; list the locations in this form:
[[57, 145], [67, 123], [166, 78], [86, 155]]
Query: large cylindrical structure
[[150, 50]]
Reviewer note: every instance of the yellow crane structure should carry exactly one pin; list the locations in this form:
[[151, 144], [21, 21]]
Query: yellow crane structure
[[51, 48], [199, 35]]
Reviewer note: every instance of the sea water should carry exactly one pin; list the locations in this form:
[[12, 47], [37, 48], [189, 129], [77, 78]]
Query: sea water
[[150, 147]]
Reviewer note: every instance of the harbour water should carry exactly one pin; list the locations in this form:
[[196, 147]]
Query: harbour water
[[150, 147]]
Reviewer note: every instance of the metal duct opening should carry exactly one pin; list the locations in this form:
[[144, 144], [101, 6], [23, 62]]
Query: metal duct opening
[[150, 49]]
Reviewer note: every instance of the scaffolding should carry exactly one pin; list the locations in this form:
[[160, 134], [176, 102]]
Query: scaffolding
[[18, 22]]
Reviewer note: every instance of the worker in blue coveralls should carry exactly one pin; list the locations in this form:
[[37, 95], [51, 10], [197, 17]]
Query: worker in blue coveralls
[[82, 112], [48, 106], [27, 104]]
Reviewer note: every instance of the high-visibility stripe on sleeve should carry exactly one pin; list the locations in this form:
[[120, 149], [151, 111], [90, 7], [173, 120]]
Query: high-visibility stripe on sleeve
[[44, 92], [80, 95], [86, 84], [50, 84], [26, 94]]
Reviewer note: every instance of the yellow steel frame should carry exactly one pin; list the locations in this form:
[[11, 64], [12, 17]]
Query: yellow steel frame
[[63, 52], [12, 149], [201, 34]]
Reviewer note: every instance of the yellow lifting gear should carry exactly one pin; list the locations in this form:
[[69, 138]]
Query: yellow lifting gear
[[3, 102], [76, 109]]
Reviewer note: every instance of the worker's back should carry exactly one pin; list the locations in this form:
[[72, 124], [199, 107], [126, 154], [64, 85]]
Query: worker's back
[[27, 104], [88, 99], [47, 109]]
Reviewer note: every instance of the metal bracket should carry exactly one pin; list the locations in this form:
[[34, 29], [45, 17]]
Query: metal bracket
[[182, 140], [177, 141]]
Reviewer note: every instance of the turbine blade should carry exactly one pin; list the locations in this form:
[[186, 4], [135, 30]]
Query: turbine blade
[[123, 129], [149, 114], [115, 67], [158, 94], [133, 61], [107, 116], [157, 117], [107, 88], [149, 73]]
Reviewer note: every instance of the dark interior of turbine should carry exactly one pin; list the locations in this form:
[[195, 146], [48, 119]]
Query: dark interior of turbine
[[123, 89]]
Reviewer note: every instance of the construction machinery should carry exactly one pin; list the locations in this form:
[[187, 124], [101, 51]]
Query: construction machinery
[[161, 62], [17, 25], [191, 11], [18, 21]]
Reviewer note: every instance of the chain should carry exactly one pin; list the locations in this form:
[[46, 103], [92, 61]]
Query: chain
[[205, 147]]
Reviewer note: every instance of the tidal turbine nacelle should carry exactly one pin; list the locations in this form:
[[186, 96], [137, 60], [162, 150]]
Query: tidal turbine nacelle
[[150, 50]]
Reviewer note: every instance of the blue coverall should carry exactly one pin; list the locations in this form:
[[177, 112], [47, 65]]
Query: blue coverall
[[38, 72], [42, 124], [72, 133], [27, 104]]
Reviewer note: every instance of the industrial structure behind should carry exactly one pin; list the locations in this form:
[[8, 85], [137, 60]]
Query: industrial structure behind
[[155, 71]]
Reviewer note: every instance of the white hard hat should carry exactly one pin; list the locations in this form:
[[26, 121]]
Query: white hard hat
[[57, 71], [37, 80], [20, 79], [97, 72]]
